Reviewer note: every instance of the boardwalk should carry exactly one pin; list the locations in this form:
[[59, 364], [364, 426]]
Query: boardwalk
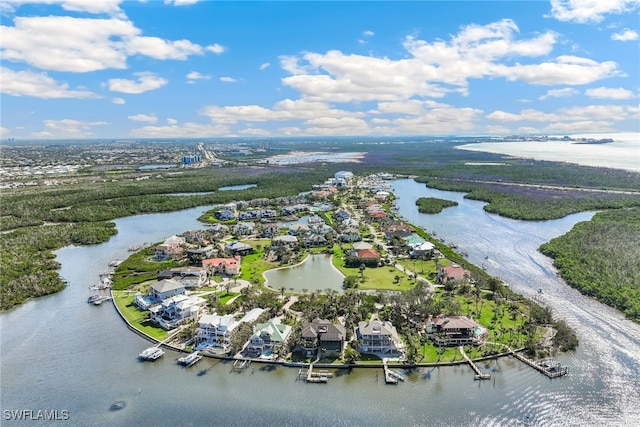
[[549, 368], [479, 374]]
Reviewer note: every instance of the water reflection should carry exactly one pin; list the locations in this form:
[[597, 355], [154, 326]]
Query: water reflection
[[315, 273]]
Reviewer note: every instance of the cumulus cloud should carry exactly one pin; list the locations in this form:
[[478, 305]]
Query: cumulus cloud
[[584, 11], [187, 130], [578, 118], [171, 121], [254, 132], [558, 93], [146, 82], [4, 132], [609, 93], [264, 66], [227, 79], [38, 85], [111, 7], [118, 101], [435, 69], [194, 75], [216, 48], [368, 33], [625, 36], [68, 128], [181, 2], [66, 43], [149, 118]]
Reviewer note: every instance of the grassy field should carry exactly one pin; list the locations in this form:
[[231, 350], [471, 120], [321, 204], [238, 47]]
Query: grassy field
[[380, 278], [135, 316]]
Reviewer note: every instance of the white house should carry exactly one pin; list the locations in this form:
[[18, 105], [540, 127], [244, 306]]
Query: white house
[[214, 330], [166, 288], [378, 337], [175, 310]]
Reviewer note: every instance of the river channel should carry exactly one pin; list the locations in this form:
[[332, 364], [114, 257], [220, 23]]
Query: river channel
[[60, 353]]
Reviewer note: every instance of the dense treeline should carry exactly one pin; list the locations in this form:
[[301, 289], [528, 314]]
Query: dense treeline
[[28, 265], [433, 205], [601, 258], [528, 203]]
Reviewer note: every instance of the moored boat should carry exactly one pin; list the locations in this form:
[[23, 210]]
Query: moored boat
[[151, 353]]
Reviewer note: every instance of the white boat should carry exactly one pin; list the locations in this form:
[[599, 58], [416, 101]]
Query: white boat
[[190, 359], [151, 353]]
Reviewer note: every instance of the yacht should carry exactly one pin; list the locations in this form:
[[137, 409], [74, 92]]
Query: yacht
[[151, 353]]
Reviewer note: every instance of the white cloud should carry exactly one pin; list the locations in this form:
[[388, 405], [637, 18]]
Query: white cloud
[[146, 82], [65, 43], [93, 6], [583, 11], [67, 128], [625, 36], [227, 79], [38, 85], [368, 33], [187, 130], [4, 132], [181, 2], [118, 101], [194, 75], [558, 93], [572, 118], [434, 69], [171, 121], [216, 48], [609, 93], [264, 66], [254, 132], [149, 118]]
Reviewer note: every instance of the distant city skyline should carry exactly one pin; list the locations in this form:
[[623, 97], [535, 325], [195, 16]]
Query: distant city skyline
[[206, 69]]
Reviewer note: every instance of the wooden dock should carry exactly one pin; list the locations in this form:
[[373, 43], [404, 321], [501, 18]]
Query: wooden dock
[[550, 368], [391, 376], [240, 365], [479, 374], [321, 376]]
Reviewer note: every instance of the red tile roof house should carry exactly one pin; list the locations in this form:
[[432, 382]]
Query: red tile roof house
[[451, 273], [368, 254], [229, 266]]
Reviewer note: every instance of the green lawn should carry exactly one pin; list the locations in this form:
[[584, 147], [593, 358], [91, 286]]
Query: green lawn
[[382, 278], [135, 316]]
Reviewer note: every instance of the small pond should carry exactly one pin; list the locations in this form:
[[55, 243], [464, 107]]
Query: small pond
[[237, 187], [316, 272]]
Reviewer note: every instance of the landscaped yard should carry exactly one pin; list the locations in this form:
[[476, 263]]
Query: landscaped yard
[[135, 316]]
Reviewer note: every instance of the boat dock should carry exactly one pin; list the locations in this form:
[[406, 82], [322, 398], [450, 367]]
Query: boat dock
[[391, 376], [479, 374], [240, 365], [190, 359], [322, 376], [550, 368]]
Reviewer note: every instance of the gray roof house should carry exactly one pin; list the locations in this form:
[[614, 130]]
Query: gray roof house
[[379, 337]]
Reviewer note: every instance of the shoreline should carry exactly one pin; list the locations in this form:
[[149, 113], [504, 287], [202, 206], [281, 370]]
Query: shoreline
[[304, 364]]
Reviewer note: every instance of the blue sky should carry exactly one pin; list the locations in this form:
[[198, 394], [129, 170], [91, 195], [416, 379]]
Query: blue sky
[[188, 68]]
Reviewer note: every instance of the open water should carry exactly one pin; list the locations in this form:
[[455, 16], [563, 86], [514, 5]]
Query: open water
[[60, 353]]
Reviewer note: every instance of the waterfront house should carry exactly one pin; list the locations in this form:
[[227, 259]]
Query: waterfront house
[[378, 337], [214, 330], [228, 266], [176, 310], [423, 250], [267, 337], [324, 335], [166, 288], [455, 330], [297, 229], [367, 254], [225, 214], [167, 251], [451, 273]]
